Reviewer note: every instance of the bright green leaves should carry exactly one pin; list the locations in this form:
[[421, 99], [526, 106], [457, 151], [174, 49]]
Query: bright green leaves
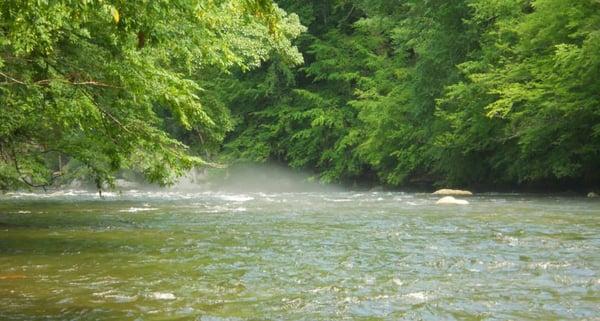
[[105, 84], [114, 13], [541, 87]]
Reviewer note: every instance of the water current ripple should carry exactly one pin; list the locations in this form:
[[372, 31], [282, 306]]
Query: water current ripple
[[145, 255]]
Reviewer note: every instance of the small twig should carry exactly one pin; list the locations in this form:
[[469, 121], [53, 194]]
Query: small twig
[[80, 83], [22, 176], [349, 14], [106, 113], [13, 79], [94, 83], [47, 81], [113, 118]]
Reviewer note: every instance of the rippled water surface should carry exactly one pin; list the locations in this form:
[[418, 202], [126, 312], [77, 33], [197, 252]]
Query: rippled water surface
[[298, 256]]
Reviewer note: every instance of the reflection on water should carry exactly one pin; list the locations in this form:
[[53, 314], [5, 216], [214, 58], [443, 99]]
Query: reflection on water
[[297, 256]]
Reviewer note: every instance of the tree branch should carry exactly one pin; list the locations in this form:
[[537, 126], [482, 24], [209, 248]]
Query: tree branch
[[22, 176], [106, 113], [76, 83], [13, 79], [47, 81]]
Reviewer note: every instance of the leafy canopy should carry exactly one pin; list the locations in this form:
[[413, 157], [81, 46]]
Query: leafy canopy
[[462, 93], [90, 80]]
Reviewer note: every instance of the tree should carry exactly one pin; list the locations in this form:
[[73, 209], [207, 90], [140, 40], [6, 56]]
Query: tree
[[300, 116], [529, 109], [464, 93], [90, 80]]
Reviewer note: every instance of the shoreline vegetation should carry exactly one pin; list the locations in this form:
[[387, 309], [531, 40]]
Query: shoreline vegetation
[[275, 178], [410, 95]]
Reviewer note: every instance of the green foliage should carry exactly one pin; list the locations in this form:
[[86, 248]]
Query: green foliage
[[463, 93], [305, 123], [536, 83], [468, 92], [99, 82]]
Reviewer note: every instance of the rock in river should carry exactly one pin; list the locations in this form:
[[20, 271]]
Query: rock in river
[[451, 200], [455, 192]]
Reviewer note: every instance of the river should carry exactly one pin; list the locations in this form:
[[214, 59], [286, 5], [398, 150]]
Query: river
[[297, 256]]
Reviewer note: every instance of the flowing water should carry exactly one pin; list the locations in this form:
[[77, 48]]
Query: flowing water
[[297, 256]]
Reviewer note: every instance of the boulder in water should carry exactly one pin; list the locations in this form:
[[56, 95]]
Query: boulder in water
[[454, 192], [592, 195], [451, 200]]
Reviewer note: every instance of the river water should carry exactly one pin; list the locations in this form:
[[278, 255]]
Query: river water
[[297, 256]]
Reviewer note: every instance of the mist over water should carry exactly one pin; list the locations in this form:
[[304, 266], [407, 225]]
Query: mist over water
[[267, 245], [242, 179], [254, 178]]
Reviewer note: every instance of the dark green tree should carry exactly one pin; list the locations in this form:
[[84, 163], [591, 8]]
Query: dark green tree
[[466, 93]]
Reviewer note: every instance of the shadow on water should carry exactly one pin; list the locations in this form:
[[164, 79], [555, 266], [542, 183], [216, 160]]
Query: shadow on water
[[65, 312], [62, 242]]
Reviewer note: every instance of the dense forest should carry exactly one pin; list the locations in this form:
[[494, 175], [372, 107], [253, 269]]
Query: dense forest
[[470, 93]]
